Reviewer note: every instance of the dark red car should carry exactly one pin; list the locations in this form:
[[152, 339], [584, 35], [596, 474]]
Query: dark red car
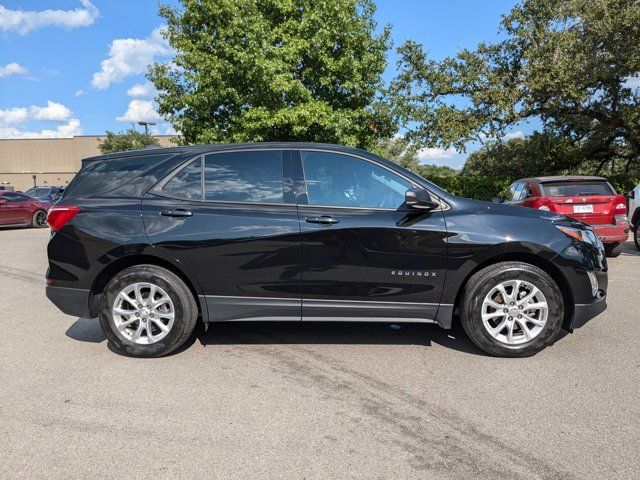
[[592, 200], [20, 209]]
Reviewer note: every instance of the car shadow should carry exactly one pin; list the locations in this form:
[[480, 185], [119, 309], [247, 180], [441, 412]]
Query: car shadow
[[629, 249], [86, 330], [336, 333], [299, 333]]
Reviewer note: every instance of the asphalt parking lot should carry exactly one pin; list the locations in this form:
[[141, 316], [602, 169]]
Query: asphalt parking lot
[[311, 401]]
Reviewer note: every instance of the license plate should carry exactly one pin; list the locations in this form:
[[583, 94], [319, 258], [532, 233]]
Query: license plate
[[583, 209]]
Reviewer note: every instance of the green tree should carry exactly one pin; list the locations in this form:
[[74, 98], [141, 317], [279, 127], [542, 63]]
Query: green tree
[[569, 63], [538, 154], [399, 150], [274, 70], [131, 139]]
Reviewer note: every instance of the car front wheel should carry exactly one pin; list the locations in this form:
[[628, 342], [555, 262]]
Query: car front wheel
[[512, 309], [147, 311], [636, 234]]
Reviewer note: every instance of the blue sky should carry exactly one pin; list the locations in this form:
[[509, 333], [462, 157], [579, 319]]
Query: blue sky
[[70, 67]]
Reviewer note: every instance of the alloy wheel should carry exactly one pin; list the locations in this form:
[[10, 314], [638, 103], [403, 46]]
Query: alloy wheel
[[143, 313], [514, 312], [41, 219]]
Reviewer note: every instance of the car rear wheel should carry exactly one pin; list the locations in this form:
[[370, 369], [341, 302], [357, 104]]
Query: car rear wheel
[[512, 309], [147, 311], [613, 249], [39, 219]]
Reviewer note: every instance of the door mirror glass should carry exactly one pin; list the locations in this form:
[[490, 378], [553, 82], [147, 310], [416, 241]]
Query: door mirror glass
[[497, 199], [419, 198]]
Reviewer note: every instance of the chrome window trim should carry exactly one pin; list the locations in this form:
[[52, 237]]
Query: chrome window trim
[[157, 188], [443, 205]]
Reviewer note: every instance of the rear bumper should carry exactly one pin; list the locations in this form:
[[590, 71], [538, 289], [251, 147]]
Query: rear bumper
[[71, 301], [612, 233]]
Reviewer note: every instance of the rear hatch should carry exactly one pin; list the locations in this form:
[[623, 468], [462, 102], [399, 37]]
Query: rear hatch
[[590, 201]]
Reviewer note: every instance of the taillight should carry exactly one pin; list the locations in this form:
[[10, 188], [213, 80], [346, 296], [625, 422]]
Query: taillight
[[620, 211], [543, 204], [59, 216]]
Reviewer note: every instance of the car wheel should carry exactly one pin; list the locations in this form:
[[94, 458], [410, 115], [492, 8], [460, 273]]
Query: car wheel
[[147, 311], [39, 219], [613, 249], [636, 234], [512, 309]]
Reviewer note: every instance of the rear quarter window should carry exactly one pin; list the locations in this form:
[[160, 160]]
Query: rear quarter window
[[572, 189], [111, 176]]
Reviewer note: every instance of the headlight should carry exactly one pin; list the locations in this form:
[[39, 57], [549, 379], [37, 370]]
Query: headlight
[[579, 234]]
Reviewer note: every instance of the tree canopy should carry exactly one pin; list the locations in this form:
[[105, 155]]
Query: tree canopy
[[274, 70], [569, 63], [131, 139]]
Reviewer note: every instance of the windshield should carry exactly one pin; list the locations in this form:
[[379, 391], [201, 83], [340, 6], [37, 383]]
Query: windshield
[[571, 189], [38, 192]]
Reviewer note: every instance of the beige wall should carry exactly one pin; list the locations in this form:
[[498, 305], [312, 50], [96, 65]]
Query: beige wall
[[54, 161]]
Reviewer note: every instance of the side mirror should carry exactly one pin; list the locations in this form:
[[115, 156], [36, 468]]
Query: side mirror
[[420, 198], [3, 201], [497, 200]]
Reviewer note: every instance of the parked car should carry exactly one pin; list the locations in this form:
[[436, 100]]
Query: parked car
[[49, 194], [20, 209], [634, 214], [592, 200], [150, 241]]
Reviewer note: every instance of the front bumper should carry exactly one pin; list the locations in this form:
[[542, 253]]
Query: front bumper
[[586, 311], [71, 301], [612, 233]]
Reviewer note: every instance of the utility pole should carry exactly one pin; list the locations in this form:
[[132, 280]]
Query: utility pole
[[146, 126]]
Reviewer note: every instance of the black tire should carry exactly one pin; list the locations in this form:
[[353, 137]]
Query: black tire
[[185, 307], [481, 284], [613, 249], [636, 234], [39, 219]]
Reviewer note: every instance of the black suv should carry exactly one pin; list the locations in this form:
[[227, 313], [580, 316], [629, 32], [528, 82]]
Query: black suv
[[150, 241]]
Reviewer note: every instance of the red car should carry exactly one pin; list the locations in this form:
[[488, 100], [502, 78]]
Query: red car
[[591, 200], [20, 209]]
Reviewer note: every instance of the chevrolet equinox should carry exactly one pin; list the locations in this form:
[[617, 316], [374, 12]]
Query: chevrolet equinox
[[151, 241]]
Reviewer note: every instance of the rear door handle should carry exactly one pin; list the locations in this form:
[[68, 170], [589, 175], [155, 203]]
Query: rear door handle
[[324, 220], [178, 212]]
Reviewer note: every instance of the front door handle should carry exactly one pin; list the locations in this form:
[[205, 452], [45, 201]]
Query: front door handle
[[324, 220], [178, 212]]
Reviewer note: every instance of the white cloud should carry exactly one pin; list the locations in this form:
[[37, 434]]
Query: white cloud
[[12, 68], [14, 116], [24, 21], [140, 110], [516, 134], [69, 129], [53, 112], [142, 90], [80, 92], [129, 56], [436, 153]]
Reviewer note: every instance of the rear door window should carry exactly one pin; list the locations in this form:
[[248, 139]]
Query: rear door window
[[517, 193], [572, 189], [187, 183], [244, 176]]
